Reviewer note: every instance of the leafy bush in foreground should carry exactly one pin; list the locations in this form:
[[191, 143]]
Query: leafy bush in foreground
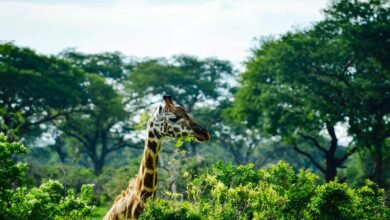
[[48, 201], [229, 192]]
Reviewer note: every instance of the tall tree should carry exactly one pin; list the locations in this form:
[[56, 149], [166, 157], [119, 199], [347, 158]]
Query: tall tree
[[189, 79], [110, 65], [310, 81], [363, 26], [36, 89], [101, 126], [283, 92]]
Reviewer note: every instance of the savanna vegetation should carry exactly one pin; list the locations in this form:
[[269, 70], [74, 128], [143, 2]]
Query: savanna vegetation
[[302, 132]]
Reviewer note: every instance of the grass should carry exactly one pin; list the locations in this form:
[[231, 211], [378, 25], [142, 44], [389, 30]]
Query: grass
[[99, 212]]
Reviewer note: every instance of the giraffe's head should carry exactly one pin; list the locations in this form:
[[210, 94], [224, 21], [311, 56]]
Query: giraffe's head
[[173, 121]]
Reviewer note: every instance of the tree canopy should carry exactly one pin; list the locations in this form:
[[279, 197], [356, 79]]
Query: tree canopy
[[312, 80], [35, 89]]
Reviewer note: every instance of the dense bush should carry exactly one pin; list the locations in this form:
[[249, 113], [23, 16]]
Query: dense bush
[[230, 192], [48, 201]]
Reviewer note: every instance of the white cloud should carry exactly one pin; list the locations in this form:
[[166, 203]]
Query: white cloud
[[222, 28]]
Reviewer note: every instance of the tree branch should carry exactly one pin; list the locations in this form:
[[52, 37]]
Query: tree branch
[[79, 138], [120, 145], [346, 156], [315, 142], [310, 157]]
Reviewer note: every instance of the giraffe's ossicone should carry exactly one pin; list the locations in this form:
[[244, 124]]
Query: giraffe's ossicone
[[168, 120]]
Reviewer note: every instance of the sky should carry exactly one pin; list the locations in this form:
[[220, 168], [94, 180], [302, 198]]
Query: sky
[[226, 29]]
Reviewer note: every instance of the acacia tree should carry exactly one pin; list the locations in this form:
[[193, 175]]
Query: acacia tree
[[309, 81], [189, 79], [36, 89], [108, 65], [101, 126]]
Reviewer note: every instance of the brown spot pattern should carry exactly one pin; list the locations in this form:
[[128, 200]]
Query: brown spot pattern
[[155, 178], [156, 133], [148, 180], [153, 146], [149, 162]]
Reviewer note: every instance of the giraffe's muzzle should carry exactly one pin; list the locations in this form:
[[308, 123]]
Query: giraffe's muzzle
[[201, 134]]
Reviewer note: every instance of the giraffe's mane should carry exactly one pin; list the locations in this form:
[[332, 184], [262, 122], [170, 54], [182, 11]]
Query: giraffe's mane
[[130, 189]]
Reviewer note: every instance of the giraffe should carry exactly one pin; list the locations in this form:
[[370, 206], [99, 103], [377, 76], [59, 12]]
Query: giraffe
[[167, 121]]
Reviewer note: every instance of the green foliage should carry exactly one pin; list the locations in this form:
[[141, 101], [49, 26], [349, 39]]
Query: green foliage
[[311, 80], [189, 79], [277, 192], [169, 210], [48, 201], [94, 127], [110, 65], [11, 174], [293, 89], [332, 200], [35, 88]]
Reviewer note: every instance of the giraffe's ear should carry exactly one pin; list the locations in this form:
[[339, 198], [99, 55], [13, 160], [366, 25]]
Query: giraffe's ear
[[169, 102]]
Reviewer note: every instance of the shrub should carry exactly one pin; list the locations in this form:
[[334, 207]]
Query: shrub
[[169, 210], [48, 201], [230, 192]]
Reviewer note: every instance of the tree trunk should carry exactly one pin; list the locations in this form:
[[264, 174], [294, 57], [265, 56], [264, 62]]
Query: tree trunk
[[98, 167], [378, 165], [331, 168], [98, 162], [331, 160], [379, 137]]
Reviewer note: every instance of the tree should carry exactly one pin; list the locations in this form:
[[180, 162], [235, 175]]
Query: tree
[[107, 65], [364, 28], [189, 79], [35, 89], [312, 80], [101, 126], [284, 94]]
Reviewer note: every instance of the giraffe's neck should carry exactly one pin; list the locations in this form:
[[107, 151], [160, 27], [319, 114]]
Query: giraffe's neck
[[148, 169], [129, 204]]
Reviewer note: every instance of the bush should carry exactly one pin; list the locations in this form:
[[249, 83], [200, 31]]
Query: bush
[[48, 201], [169, 210], [229, 192]]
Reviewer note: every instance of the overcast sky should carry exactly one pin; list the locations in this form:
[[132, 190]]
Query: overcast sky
[[153, 28]]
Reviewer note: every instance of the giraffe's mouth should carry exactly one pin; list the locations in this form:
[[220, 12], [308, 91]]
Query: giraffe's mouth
[[202, 135]]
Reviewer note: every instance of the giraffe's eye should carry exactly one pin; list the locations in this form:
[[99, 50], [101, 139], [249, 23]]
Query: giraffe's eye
[[174, 119]]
